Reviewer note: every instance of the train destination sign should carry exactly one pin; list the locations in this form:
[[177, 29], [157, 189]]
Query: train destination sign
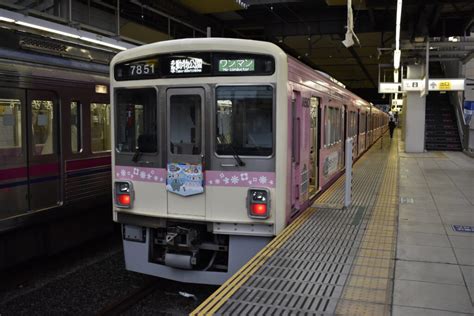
[[186, 65], [237, 65], [195, 64]]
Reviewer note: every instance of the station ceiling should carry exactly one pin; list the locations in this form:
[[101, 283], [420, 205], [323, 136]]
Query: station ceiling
[[311, 30]]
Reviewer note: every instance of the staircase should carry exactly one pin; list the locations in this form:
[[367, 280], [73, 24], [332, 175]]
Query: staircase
[[441, 130]]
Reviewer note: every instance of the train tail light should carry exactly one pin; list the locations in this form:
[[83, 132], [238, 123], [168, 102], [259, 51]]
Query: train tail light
[[258, 203], [124, 194]]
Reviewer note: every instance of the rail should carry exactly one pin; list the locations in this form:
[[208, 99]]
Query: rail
[[131, 299]]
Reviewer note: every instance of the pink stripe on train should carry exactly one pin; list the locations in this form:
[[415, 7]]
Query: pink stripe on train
[[240, 179], [212, 178]]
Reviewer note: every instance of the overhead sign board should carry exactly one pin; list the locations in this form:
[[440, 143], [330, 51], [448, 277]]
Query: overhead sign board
[[389, 87], [446, 84], [413, 84]]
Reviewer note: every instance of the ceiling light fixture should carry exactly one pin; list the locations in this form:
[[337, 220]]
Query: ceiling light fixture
[[4, 19], [46, 29], [99, 42]]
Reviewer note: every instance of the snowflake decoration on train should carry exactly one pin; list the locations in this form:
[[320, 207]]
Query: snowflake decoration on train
[[244, 176], [271, 182], [222, 175], [123, 173], [143, 174], [217, 181], [234, 179], [226, 180], [149, 176], [262, 180], [136, 171], [155, 178]]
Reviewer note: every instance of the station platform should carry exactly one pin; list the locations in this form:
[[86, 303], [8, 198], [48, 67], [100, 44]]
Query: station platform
[[404, 247]]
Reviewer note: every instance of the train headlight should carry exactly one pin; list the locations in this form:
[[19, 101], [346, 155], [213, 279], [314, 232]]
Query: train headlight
[[258, 203], [124, 194]]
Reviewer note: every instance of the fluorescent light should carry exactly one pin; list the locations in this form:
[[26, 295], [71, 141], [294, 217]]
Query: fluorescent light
[[453, 39], [47, 29], [4, 19], [92, 40], [396, 59]]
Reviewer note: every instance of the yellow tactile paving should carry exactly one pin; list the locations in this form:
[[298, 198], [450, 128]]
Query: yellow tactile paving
[[358, 308], [366, 295], [370, 271], [369, 287], [372, 283]]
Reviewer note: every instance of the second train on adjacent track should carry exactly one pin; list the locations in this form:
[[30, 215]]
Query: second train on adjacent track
[[219, 144]]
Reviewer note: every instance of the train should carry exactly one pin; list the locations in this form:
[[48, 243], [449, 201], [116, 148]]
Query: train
[[55, 161], [218, 145]]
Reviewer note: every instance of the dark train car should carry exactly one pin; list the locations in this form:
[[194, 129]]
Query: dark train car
[[54, 154]]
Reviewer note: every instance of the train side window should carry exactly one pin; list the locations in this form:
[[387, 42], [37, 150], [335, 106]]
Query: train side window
[[10, 129], [42, 115], [76, 127], [244, 120], [100, 127], [136, 120], [328, 126]]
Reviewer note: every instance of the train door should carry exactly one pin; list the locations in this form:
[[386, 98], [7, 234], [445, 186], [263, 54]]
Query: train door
[[13, 154], [43, 149], [295, 152], [185, 151], [314, 149]]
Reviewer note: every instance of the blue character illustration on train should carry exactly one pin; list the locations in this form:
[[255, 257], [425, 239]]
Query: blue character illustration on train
[[184, 179]]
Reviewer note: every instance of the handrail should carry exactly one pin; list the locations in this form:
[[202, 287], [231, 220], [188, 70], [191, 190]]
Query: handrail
[[463, 128]]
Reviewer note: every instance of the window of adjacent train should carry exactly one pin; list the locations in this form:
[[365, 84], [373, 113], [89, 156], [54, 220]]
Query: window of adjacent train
[[100, 127], [244, 120], [10, 128], [76, 127], [42, 115], [136, 127]]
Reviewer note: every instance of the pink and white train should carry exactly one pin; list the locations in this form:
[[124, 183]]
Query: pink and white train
[[219, 144]]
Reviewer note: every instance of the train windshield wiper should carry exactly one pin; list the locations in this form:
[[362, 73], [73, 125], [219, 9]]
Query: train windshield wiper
[[239, 161], [138, 153]]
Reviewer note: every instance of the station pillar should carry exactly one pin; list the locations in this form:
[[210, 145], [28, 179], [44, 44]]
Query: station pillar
[[414, 109]]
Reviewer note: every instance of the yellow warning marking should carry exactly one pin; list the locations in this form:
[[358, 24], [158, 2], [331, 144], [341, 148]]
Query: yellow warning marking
[[346, 307], [369, 283], [370, 279], [366, 295], [370, 271], [226, 290]]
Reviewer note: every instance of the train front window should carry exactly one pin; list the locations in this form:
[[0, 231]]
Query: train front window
[[10, 128], [136, 127], [244, 120], [42, 112]]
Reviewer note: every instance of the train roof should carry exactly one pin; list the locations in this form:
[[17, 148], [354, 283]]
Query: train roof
[[202, 44]]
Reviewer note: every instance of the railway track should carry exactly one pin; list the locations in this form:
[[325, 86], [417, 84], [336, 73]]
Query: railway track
[[131, 299]]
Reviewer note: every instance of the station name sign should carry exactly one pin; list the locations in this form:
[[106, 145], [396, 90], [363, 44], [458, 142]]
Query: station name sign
[[198, 64], [390, 87]]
